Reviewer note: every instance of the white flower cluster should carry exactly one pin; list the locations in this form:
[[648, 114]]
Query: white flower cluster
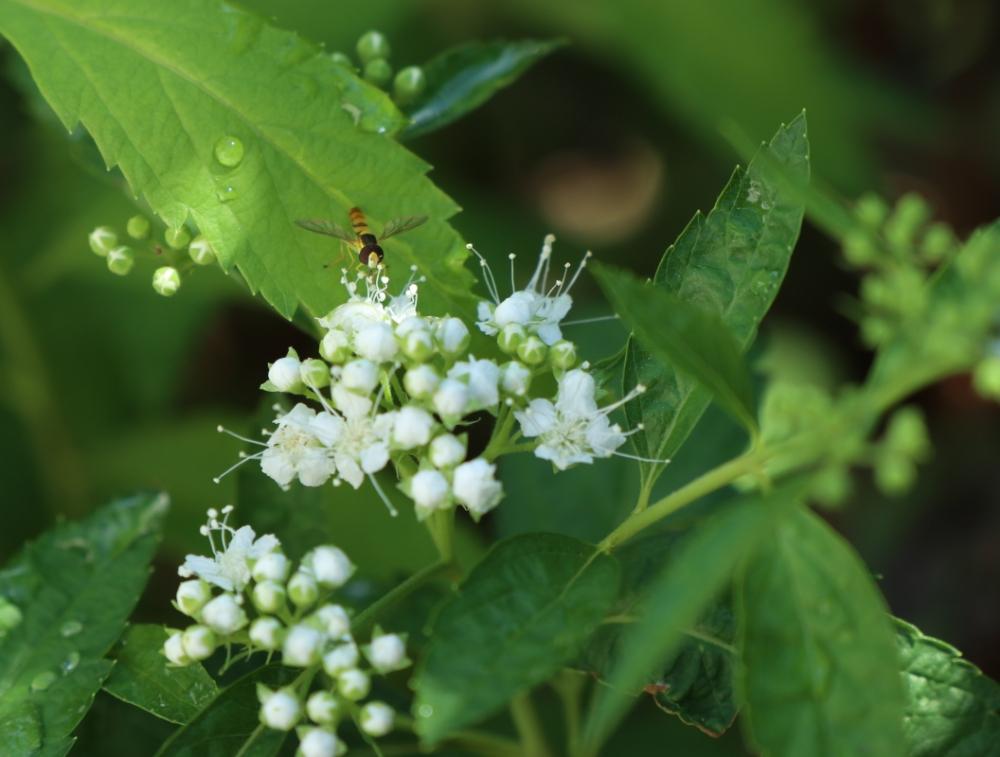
[[391, 385], [288, 614]]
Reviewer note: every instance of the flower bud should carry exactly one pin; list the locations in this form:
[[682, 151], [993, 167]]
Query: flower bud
[[418, 345], [120, 260], [532, 351], [515, 378], [376, 342], [452, 336], [353, 684], [138, 227], [269, 596], [314, 373], [201, 252], [330, 565], [302, 589], [223, 615], [319, 742], [334, 619], [371, 45], [476, 488], [894, 474], [103, 240], [267, 633], [271, 567], [173, 650], [280, 710], [451, 399], [938, 241], [376, 718], [859, 248], [192, 596], [510, 337], [447, 451], [387, 652], [378, 72], [907, 433], [562, 355], [342, 657], [409, 84], [177, 239], [360, 376], [302, 646], [911, 212], [323, 707], [166, 281], [871, 210], [335, 346], [285, 374], [986, 377], [199, 642], [412, 427], [429, 489], [421, 382]]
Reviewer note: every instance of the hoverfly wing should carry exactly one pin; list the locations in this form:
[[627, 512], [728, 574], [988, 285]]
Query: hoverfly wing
[[399, 225], [327, 228]]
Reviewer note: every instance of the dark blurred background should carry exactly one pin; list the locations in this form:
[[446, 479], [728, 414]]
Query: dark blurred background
[[612, 143]]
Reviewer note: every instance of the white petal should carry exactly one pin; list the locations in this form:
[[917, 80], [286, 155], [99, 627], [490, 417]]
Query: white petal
[[242, 540], [604, 437], [264, 545], [560, 458], [539, 418], [349, 470], [576, 395], [374, 458], [209, 570], [276, 464], [550, 333], [350, 404]]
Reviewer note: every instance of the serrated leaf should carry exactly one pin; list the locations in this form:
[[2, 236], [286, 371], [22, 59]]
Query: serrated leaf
[[143, 678], [522, 613], [463, 78], [75, 587], [230, 723], [157, 85], [693, 577], [730, 263], [952, 709], [819, 671], [683, 338]]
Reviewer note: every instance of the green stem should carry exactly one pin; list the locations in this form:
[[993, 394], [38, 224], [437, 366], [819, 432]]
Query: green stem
[[569, 685], [529, 728], [501, 434], [367, 617], [483, 742], [441, 525]]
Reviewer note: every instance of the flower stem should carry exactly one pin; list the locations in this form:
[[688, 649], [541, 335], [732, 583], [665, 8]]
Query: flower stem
[[569, 685], [441, 525], [367, 617], [501, 434], [529, 728]]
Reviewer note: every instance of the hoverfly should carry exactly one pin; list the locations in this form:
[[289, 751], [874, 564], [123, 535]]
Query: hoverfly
[[361, 237]]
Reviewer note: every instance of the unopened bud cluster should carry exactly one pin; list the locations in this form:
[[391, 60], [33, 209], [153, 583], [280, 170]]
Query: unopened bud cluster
[[248, 594], [373, 51]]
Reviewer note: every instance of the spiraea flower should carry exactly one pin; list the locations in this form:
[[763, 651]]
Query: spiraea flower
[[231, 563]]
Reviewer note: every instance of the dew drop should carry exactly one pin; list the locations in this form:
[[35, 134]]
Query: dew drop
[[42, 681], [229, 151], [71, 628], [70, 663], [372, 124], [226, 192], [425, 711]]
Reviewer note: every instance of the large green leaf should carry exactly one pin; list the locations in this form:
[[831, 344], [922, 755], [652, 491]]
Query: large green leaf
[[730, 263], [522, 613], [684, 339], [159, 84], [143, 678], [819, 671], [693, 577], [74, 587], [463, 78], [952, 709]]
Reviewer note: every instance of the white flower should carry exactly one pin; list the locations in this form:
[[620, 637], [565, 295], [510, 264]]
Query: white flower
[[387, 652], [302, 646], [319, 742], [515, 378], [342, 657], [271, 567], [336, 622], [323, 707], [574, 429], [482, 377], [329, 565], [267, 633], [452, 335], [360, 376], [280, 709], [374, 306], [229, 567], [421, 382], [476, 487], [224, 615], [411, 325], [350, 403], [429, 489], [294, 450], [451, 399], [173, 650], [447, 450], [412, 428], [376, 342], [354, 684], [199, 642], [363, 447], [192, 596], [284, 374], [376, 718], [335, 347]]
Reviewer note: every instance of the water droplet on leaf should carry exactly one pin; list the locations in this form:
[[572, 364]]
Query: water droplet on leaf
[[70, 663], [229, 151], [425, 711], [227, 192], [42, 681], [71, 628]]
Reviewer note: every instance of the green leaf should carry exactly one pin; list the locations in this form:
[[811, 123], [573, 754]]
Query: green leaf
[[679, 334], [143, 678], [157, 85], [819, 672], [697, 572], [952, 709], [730, 263], [463, 78], [523, 613], [230, 724], [75, 587]]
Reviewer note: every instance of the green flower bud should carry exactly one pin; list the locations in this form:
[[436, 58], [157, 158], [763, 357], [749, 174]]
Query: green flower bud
[[268, 596], [192, 596], [894, 474], [315, 372], [354, 684], [120, 260], [378, 72], [510, 338], [986, 377], [876, 331], [372, 45], [859, 248], [907, 435], [138, 227], [831, 486], [200, 251], [409, 84], [532, 351], [177, 239], [335, 347], [938, 241], [102, 240], [910, 214], [342, 60], [562, 355], [303, 590], [10, 616], [871, 210], [199, 642], [166, 281], [418, 345], [323, 708]]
